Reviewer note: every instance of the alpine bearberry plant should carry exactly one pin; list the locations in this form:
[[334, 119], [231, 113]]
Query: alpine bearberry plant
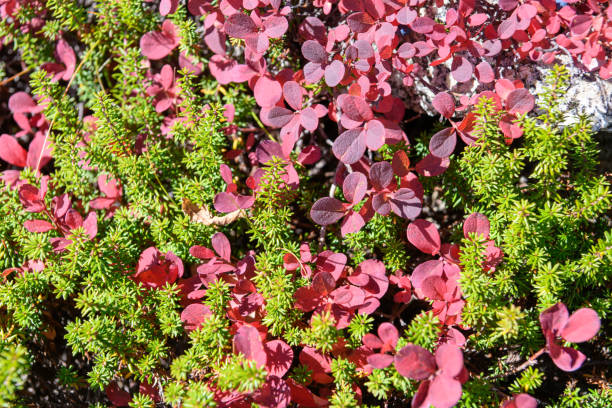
[[235, 203]]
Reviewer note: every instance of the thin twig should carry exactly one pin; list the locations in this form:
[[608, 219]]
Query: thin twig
[[17, 75]]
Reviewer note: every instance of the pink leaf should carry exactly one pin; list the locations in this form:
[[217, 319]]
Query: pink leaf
[[461, 69], [38, 226], [374, 134], [279, 357], [389, 334], [431, 166], [267, 92], [356, 108], [445, 104], [380, 361], [21, 102], [225, 202], [449, 359], [476, 223], [248, 342], [581, 326], [554, 318], [221, 245], [507, 28], [293, 94], [156, 45], [354, 187], [167, 7], [423, 25], [349, 147], [425, 236], [484, 72], [566, 358], [240, 26], [334, 73], [444, 392], [314, 52]]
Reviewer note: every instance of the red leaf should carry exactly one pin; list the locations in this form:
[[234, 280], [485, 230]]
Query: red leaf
[[12, 152], [581, 24], [327, 211], [425, 236], [279, 357], [400, 163], [38, 226], [349, 147], [443, 143], [117, 396], [194, 315], [380, 361], [521, 401], [360, 22], [201, 252], [445, 104], [415, 362], [381, 175]]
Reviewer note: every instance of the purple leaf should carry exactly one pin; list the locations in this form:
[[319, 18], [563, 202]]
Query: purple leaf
[[327, 210], [354, 187], [349, 147], [381, 174], [520, 101], [443, 143], [405, 203]]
